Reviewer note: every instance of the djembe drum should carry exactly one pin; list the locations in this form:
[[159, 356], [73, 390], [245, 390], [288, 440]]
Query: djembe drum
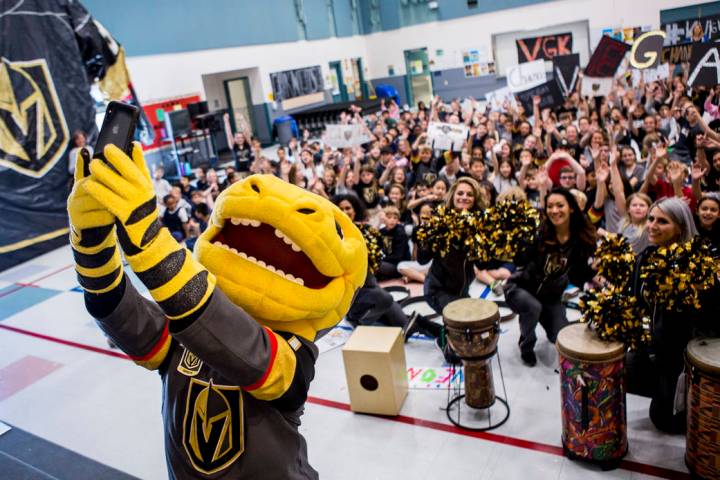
[[472, 331], [702, 361], [592, 391]]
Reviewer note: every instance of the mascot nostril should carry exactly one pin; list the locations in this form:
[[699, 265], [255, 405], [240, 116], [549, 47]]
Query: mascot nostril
[[231, 329]]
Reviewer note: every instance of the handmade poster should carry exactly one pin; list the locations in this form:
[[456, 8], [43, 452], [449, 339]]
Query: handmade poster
[[705, 65], [596, 86], [447, 136], [566, 69], [497, 98], [526, 75], [649, 75], [680, 53], [337, 337], [606, 58], [626, 34], [544, 48], [646, 50], [476, 62], [549, 93], [342, 136], [435, 377]]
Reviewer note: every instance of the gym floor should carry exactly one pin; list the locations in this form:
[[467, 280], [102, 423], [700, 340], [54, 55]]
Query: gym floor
[[78, 409]]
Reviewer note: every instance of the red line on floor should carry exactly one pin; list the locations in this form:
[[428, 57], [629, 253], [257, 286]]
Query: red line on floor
[[504, 439], [68, 343], [418, 422], [21, 285]]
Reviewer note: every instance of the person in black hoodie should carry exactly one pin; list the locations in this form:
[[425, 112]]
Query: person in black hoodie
[[566, 241], [655, 370], [394, 244]]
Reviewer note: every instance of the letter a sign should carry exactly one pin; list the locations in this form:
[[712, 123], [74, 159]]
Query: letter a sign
[[705, 65]]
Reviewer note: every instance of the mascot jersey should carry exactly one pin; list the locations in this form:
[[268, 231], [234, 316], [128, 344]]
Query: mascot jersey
[[231, 329]]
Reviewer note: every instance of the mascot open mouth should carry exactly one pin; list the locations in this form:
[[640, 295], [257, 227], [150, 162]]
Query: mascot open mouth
[[270, 248]]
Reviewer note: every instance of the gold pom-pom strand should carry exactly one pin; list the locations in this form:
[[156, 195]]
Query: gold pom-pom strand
[[615, 316], [510, 226], [676, 275], [372, 241], [616, 260], [448, 228]]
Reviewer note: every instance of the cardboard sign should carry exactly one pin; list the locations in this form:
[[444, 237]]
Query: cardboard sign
[[549, 93], [649, 75], [596, 86], [526, 75], [606, 58], [680, 53], [705, 65], [566, 69], [341, 136], [447, 136], [497, 98], [646, 50], [544, 48]]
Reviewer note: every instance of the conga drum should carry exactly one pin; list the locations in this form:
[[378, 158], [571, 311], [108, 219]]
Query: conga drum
[[702, 361], [592, 391], [472, 327]]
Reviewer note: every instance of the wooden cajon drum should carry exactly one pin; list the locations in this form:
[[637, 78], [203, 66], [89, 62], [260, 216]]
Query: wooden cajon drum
[[375, 369]]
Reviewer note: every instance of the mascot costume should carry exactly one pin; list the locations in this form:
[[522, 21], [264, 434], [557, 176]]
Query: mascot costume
[[231, 329]]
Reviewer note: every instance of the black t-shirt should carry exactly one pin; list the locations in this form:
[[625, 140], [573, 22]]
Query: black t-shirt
[[424, 255], [395, 244], [243, 156], [369, 194]]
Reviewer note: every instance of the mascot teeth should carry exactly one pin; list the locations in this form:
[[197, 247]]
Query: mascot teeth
[[285, 239], [245, 222], [260, 263]]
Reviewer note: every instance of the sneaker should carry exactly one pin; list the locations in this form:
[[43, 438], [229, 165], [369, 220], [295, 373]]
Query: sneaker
[[449, 354], [529, 358], [412, 326], [497, 287]]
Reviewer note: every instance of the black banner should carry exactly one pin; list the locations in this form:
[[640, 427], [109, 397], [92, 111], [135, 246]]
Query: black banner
[[704, 65], [566, 69], [682, 31], [545, 47], [646, 50], [606, 58], [680, 53], [49, 51], [549, 93]]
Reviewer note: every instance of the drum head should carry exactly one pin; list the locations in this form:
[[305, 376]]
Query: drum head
[[704, 353], [419, 305], [470, 310], [398, 293], [578, 342]]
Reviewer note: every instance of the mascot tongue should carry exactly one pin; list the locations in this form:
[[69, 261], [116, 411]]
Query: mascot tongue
[[263, 244]]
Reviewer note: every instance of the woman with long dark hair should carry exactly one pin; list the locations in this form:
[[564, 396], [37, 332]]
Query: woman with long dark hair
[[566, 240]]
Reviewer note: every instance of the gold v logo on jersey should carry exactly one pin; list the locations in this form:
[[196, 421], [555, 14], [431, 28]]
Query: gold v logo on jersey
[[33, 131], [190, 364], [213, 435]]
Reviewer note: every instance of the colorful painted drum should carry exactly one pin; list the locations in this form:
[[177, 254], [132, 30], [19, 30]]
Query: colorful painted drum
[[702, 360], [592, 392], [472, 331]]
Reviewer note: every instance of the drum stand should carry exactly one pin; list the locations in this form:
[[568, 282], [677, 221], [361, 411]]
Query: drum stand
[[476, 419]]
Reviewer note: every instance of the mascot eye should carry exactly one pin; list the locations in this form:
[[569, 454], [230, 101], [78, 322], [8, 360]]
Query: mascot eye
[[339, 231], [306, 211], [254, 186]]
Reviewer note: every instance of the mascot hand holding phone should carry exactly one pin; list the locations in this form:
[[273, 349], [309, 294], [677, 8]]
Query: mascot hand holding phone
[[231, 328]]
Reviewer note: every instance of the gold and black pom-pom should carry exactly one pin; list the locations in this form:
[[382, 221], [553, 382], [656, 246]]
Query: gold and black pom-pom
[[373, 242], [616, 316], [447, 228], [674, 276], [510, 226], [616, 260]]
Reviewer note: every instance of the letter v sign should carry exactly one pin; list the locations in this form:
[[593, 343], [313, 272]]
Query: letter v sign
[[528, 56]]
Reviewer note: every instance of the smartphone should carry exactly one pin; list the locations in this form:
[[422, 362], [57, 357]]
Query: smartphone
[[117, 129]]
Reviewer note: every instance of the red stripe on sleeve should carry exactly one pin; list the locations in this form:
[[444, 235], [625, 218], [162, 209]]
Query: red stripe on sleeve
[[158, 346], [273, 354]]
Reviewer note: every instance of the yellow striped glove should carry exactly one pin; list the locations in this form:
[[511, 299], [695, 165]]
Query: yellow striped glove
[[178, 283], [92, 236]]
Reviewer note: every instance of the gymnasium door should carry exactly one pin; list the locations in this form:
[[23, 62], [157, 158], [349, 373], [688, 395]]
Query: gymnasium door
[[418, 79], [339, 92], [239, 100]]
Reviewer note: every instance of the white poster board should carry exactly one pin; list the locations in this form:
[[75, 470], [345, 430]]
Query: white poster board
[[596, 86], [661, 72], [447, 136], [498, 97], [342, 136], [526, 75]]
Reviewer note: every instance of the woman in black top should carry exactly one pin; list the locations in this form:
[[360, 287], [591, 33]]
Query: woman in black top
[[566, 241], [706, 219], [655, 371]]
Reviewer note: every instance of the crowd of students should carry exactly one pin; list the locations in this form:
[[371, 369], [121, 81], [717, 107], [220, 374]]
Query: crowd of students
[[592, 166]]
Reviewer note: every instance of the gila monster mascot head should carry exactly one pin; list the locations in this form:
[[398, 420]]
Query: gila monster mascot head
[[288, 257]]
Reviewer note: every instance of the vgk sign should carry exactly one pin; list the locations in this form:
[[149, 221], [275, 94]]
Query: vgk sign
[[647, 49], [33, 131], [566, 69], [544, 48], [606, 58]]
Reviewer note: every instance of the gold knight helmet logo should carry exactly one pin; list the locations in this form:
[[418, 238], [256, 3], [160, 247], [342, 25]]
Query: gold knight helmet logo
[[33, 131], [213, 434]]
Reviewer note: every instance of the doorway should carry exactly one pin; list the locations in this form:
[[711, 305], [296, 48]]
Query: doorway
[[239, 100], [418, 79], [339, 91]]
